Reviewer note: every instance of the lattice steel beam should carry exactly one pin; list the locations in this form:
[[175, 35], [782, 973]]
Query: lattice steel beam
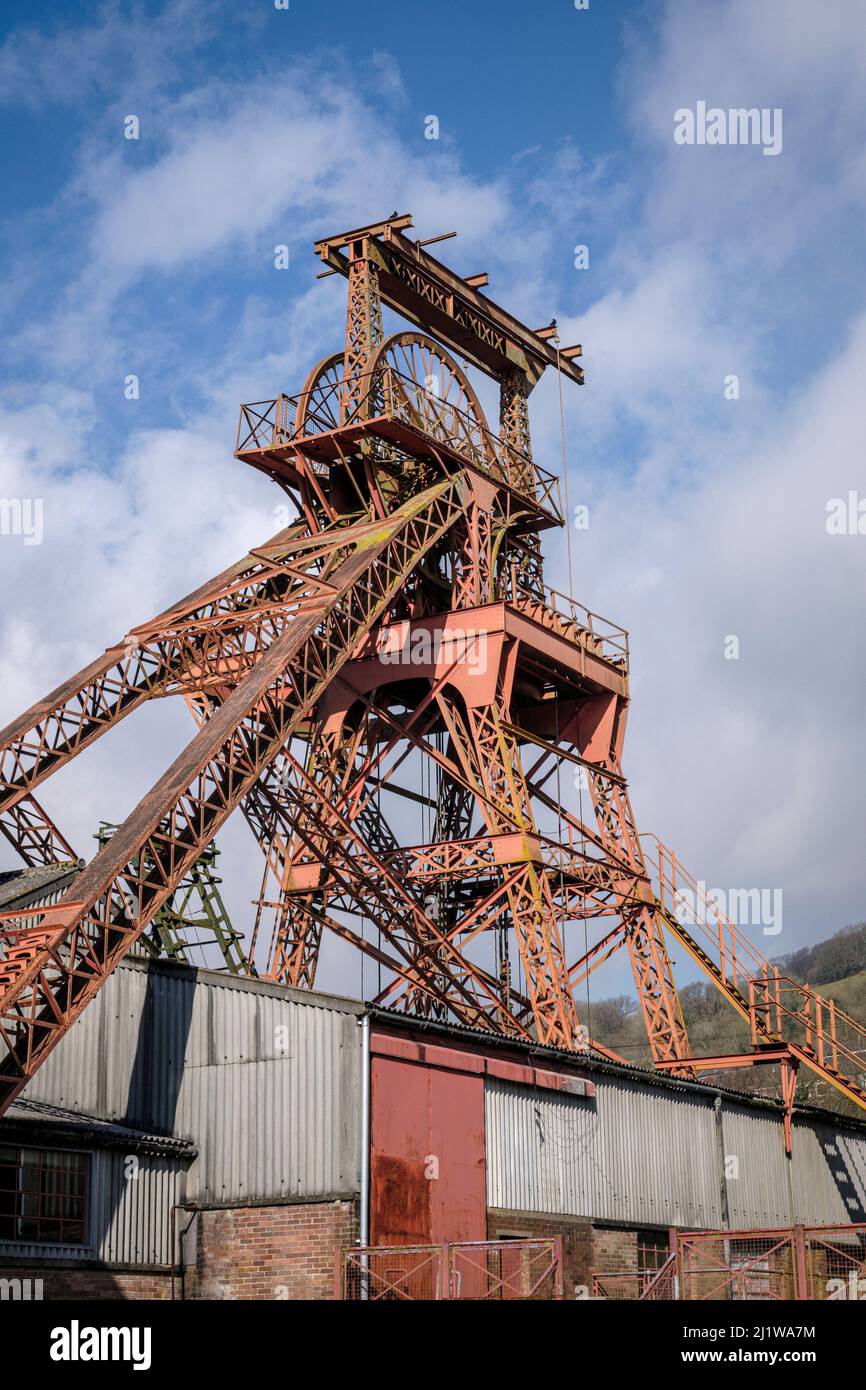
[[54, 969]]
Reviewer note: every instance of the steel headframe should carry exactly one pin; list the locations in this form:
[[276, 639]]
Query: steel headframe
[[400, 631]]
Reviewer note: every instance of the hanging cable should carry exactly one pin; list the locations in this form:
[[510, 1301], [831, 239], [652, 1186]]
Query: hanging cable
[[564, 471], [564, 450], [580, 782], [362, 953], [379, 816]]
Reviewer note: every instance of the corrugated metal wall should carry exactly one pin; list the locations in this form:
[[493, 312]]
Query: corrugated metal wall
[[636, 1154], [266, 1084], [128, 1217], [652, 1157], [829, 1174], [759, 1192]]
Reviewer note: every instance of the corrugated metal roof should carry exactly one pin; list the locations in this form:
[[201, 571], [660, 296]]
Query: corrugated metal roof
[[35, 885], [43, 1123]]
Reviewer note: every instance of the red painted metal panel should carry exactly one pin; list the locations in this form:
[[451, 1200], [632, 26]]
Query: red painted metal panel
[[466, 1059], [427, 1170], [400, 1120], [458, 1198]]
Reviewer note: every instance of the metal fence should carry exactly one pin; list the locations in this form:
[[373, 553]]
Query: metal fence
[[517, 1270], [834, 1261], [626, 1284], [743, 1266], [822, 1263]]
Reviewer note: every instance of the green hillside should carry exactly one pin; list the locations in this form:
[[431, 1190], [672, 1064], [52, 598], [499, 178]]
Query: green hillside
[[836, 958]]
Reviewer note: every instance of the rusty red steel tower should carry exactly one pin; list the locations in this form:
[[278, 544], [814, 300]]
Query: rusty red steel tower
[[391, 693]]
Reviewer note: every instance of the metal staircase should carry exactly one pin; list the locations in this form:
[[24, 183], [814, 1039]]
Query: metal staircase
[[781, 1013]]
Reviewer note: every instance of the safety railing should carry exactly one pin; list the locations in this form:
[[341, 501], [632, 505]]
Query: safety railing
[[778, 1008], [752, 1266], [803, 1262], [572, 619], [266, 424], [823, 1263], [394, 397], [636, 1285], [665, 1282], [834, 1262]]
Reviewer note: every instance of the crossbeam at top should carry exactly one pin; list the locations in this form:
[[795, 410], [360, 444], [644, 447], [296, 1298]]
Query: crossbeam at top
[[435, 298]]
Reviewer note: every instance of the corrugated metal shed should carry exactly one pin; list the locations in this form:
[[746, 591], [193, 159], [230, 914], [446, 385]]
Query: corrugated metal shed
[[265, 1080], [647, 1156], [633, 1155], [128, 1216]]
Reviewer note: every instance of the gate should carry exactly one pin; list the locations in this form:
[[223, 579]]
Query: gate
[[740, 1265], [825, 1263], [517, 1270], [835, 1261]]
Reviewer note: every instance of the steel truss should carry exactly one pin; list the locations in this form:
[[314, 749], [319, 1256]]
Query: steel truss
[[398, 704]]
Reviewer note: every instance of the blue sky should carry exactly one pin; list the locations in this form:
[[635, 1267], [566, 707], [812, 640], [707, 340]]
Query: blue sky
[[511, 76], [154, 257], [512, 95]]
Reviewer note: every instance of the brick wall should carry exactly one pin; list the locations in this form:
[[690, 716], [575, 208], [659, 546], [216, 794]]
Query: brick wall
[[613, 1249], [587, 1249], [576, 1235], [84, 1283], [271, 1252]]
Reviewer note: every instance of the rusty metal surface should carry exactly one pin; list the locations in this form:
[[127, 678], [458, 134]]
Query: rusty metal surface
[[426, 292], [427, 1155], [52, 970]]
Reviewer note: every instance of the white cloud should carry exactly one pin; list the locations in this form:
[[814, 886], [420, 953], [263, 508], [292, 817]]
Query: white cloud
[[707, 517], [122, 45], [714, 522]]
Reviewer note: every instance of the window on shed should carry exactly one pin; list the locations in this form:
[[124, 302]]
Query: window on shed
[[653, 1248], [43, 1195]]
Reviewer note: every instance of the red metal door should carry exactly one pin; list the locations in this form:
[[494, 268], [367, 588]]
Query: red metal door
[[428, 1183]]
